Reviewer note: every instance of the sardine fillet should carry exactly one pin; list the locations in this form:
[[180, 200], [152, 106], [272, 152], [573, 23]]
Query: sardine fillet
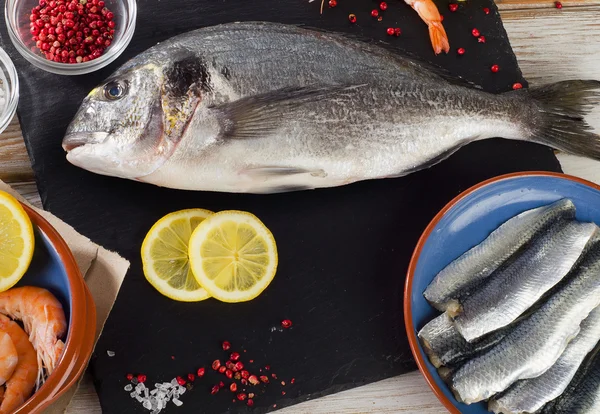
[[535, 345], [480, 261], [530, 395], [513, 289], [444, 345]]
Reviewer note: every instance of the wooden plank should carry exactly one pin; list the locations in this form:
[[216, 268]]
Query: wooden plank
[[15, 165], [542, 4]]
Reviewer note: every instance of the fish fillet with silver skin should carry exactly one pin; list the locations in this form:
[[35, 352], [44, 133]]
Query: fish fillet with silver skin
[[582, 396], [263, 108], [539, 340], [530, 395], [479, 262], [514, 288]]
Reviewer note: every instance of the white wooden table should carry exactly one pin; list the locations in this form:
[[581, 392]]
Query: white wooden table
[[550, 44]]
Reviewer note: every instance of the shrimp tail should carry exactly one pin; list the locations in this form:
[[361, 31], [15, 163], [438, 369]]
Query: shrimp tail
[[439, 39]]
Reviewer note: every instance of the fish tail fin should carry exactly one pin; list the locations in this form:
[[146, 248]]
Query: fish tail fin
[[562, 107]]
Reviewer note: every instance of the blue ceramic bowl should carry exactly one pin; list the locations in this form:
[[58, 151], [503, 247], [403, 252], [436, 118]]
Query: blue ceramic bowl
[[465, 222], [54, 268]]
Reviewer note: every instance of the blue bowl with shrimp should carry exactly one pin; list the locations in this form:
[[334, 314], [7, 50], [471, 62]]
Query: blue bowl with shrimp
[[465, 222], [54, 268]]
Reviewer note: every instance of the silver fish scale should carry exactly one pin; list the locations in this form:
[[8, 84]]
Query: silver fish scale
[[535, 345], [523, 281], [530, 395], [480, 261]]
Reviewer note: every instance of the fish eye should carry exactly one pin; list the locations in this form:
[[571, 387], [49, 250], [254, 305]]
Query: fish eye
[[115, 90]]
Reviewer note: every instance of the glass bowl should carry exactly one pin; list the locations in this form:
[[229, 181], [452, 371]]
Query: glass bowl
[[9, 90], [16, 13]]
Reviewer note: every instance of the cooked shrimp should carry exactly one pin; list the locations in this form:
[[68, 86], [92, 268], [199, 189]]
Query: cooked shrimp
[[429, 13], [8, 357], [43, 318], [20, 385]]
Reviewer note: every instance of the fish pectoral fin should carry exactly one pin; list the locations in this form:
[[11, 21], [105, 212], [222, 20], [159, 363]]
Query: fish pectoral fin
[[275, 171], [257, 116]]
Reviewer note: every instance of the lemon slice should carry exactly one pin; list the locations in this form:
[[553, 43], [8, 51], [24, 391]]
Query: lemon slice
[[165, 255], [16, 241], [233, 255]]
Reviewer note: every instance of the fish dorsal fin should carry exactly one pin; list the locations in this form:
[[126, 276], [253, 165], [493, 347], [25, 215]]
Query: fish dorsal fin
[[256, 116]]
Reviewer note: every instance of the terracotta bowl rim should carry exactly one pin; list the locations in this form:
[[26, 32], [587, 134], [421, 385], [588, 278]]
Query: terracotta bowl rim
[[408, 323]]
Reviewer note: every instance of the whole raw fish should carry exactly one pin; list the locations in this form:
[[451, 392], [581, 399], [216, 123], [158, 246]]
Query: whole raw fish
[[480, 261], [539, 340], [528, 396], [514, 288], [264, 107]]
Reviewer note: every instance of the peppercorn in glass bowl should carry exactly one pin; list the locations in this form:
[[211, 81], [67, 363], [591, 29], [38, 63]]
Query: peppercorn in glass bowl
[[70, 37], [9, 90]]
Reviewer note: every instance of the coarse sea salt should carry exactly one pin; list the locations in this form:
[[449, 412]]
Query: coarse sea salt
[[156, 399], [110, 353]]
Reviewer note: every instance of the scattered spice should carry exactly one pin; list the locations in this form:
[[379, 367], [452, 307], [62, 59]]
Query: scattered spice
[[230, 365], [558, 4], [234, 356], [245, 374], [214, 389], [221, 384], [475, 33], [264, 378], [141, 378], [390, 31], [460, 51], [286, 323], [129, 377], [253, 379], [375, 13], [267, 367], [200, 372], [283, 383], [282, 392], [397, 32], [238, 366], [453, 7], [250, 403], [486, 10], [244, 381], [481, 39], [229, 373], [517, 85], [274, 376], [71, 31], [250, 395], [383, 5], [216, 364], [191, 377], [237, 376], [226, 345], [352, 18], [380, 18], [292, 380], [180, 381], [251, 361], [241, 396], [332, 3], [233, 387], [222, 369], [495, 68]]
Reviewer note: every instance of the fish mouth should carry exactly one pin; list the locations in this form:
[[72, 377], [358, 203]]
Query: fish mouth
[[78, 139]]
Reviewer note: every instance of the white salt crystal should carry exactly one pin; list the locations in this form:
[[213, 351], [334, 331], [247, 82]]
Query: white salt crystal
[[139, 398], [177, 402], [146, 404], [181, 390], [128, 387], [174, 382], [134, 394]]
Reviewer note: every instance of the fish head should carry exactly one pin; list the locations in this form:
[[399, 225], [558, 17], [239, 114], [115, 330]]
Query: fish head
[[130, 124]]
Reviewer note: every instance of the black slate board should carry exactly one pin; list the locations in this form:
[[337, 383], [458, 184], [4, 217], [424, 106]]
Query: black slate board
[[343, 251]]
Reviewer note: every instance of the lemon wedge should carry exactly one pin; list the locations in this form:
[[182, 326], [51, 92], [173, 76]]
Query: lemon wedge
[[16, 241], [165, 255], [233, 256]]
